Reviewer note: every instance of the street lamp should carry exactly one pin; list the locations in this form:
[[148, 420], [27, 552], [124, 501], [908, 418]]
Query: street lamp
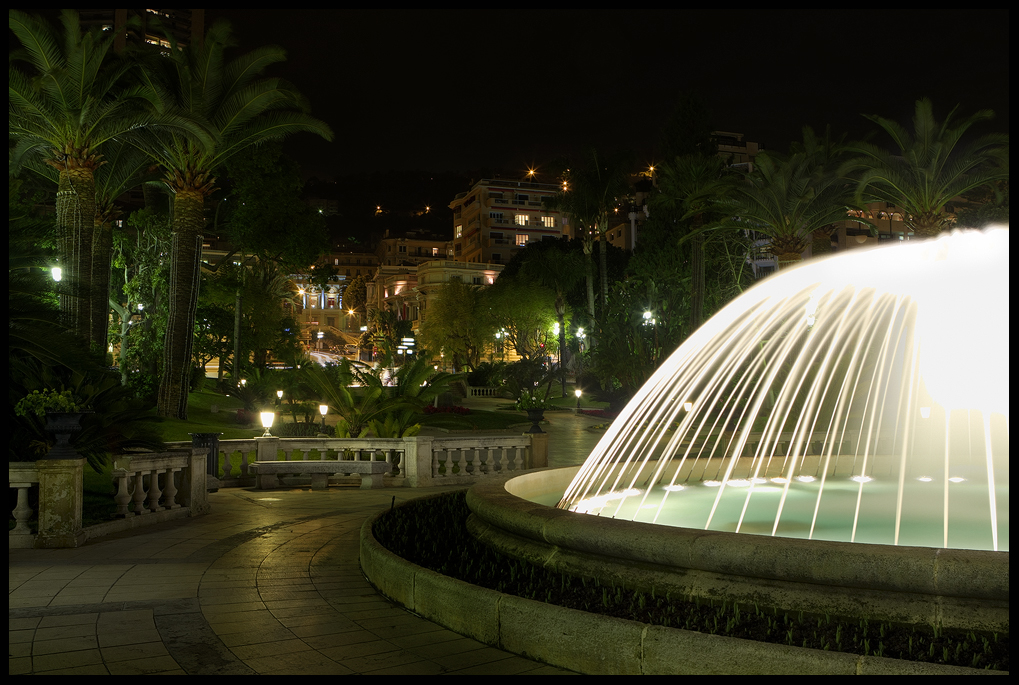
[[322, 409], [577, 392], [267, 418]]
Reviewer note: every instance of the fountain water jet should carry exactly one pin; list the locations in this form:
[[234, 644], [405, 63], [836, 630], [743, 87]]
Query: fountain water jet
[[855, 398], [851, 401]]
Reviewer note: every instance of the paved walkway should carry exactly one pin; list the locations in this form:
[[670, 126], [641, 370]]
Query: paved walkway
[[269, 582]]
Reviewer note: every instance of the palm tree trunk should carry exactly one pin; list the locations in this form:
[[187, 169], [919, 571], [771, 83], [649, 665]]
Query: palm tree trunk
[[76, 208], [185, 275], [820, 244], [560, 311], [99, 302], [603, 265], [589, 258], [787, 259], [696, 281]]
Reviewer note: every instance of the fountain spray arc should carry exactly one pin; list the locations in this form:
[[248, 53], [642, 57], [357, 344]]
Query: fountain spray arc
[[858, 398]]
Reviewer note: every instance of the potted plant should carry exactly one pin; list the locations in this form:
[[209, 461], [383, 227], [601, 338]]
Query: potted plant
[[535, 409], [62, 412]]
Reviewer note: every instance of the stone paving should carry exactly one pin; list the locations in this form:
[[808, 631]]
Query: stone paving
[[269, 582]]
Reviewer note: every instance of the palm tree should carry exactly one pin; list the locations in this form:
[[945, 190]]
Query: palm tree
[[590, 193], [238, 108], [560, 271], [929, 166], [789, 198], [693, 186], [69, 102]]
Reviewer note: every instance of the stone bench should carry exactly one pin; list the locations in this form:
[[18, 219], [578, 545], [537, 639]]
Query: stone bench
[[267, 473]]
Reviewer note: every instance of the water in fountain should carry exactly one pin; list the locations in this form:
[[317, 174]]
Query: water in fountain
[[862, 397]]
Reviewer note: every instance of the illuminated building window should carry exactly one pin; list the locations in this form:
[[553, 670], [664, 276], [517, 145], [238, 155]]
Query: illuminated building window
[[521, 219], [521, 239], [459, 231], [549, 221], [435, 252]]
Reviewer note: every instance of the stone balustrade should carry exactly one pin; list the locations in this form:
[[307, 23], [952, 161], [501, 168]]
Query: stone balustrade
[[482, 391], [150, 482], [154, 486], [416, 461]]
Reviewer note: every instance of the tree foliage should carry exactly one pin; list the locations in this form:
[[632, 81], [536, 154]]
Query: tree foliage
[[524, 312], [928, 165], [458, 324], [788, 198], [264, 213]]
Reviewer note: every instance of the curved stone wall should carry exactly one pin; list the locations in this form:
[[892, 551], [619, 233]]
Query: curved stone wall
[[953, 588]]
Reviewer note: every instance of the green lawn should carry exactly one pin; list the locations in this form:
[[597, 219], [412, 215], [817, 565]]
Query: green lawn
[[202, 418], [476, 420]]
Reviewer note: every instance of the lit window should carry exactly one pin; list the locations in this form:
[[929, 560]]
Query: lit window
[[435, 252], [549, 221], [521, 239], [459, 231], [521, 219]]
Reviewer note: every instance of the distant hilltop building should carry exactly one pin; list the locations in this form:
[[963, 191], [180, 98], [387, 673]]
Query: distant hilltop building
[[495, 218], [153, 25]]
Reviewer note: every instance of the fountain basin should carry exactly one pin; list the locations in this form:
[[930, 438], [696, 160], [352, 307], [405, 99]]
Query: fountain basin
[[954, 588]]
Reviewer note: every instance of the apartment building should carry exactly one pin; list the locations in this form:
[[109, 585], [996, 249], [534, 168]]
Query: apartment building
[[495, 218]]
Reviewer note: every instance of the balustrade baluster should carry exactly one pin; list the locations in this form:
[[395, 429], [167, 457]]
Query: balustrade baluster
[[227, 467], [123, 496], [139, 494], [170, 490], [22, 511], [154, 490]]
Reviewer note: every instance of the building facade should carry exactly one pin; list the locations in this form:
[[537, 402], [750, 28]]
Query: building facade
[[496, 218]]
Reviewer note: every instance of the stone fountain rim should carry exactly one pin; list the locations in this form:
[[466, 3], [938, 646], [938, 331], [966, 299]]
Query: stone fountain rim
[[933, 577]]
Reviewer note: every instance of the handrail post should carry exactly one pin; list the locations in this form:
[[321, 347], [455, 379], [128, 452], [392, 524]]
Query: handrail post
[[194, 492], [267, 449], [417, 460], [60, 499], [539, 451]]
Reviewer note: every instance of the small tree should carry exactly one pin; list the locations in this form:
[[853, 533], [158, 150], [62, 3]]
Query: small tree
[[458, 323], [929, 166]]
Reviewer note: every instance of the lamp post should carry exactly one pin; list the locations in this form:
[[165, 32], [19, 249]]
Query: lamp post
[[322, 409], [267, 419], [577, 392]]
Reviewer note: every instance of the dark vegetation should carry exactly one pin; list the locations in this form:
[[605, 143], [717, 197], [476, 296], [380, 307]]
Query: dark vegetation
[[450, 550]]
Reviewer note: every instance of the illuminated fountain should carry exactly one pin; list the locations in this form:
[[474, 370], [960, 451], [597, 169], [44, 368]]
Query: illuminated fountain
[[866, 396], [857, 399]]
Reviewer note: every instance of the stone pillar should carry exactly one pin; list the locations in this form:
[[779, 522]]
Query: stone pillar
[[194, 491], [539, 450], [60, 498], [417, 461], [267, 449]]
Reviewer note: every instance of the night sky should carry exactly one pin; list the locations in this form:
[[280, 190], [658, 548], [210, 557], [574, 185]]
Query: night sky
[[508, 89]]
